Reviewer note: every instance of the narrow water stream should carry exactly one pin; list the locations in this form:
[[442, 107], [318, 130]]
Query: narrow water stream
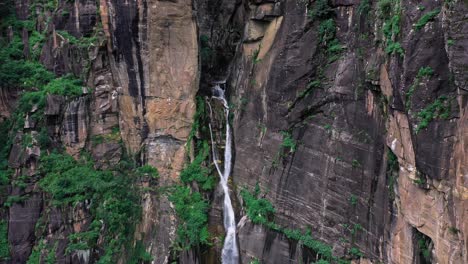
[[230, 253]]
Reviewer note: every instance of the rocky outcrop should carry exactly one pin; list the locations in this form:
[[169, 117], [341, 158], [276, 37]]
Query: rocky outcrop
[[360, 142], [342, 127]]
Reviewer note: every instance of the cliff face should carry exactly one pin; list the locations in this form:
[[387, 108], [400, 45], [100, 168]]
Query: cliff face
[[349, 119]]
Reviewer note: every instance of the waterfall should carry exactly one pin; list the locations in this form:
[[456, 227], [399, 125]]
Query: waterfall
[[230, 253]]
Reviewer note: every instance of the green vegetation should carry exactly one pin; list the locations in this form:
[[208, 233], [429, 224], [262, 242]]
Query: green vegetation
[[324, 13], [261, 211], [420, 181], [83, 42], [454, 230], [139, 254], [321, 10], [327, 35], [114, 136], [391, 26], [148, 170], [355, 252], [288, 141], [426, 18], [423, 72], [14, 199], [196, 172], [353, 200], [450, 42], [113, 196], [364, 7], [206, 52], [18, 70], [4, 246], [355, 163], [355, 229], [384, 8], [66, 86], [423, 243], [191, 209], [255, 261], [310, 87], [50, 258], [190, 206], [35, 256], [440, 108], [255, 58], [395, 48], [200, 113]]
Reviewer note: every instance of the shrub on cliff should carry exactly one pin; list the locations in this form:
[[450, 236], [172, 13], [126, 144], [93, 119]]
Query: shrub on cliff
[[259, 210], [191, 210]]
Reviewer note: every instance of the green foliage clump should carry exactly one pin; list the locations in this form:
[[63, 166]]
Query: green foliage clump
[[35, 257], [327, 30], [36, 42], [112, 194], [255, 58], [190, 206], [355, 252], [353, 200], [51, 258], [206, 52], [395, 48], [255, 261], [83, 42], [425, 71], [191, 210], [288, 141], [426, 18], [259, 210], [4, 246], [197, 119], [66, 86], [148, 170], [355, 163], [196, 172], [69, 181], [139, 254], [391, 26], [324, 251], [384, 8], [321, 10], [440, 108], [423, 242], [364, 7], [311, 86], [14, 199], [327, 36], [84, 240]]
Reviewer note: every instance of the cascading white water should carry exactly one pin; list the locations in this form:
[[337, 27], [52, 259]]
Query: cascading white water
[[230, 253]]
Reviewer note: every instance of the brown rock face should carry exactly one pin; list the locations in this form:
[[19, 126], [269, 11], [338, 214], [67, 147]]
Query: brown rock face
[[377, 113]]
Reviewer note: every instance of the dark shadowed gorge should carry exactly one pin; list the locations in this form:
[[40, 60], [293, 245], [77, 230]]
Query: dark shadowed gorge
[[343, 136]]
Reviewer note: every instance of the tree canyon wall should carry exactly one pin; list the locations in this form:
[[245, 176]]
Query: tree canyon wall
[[349, 122]]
